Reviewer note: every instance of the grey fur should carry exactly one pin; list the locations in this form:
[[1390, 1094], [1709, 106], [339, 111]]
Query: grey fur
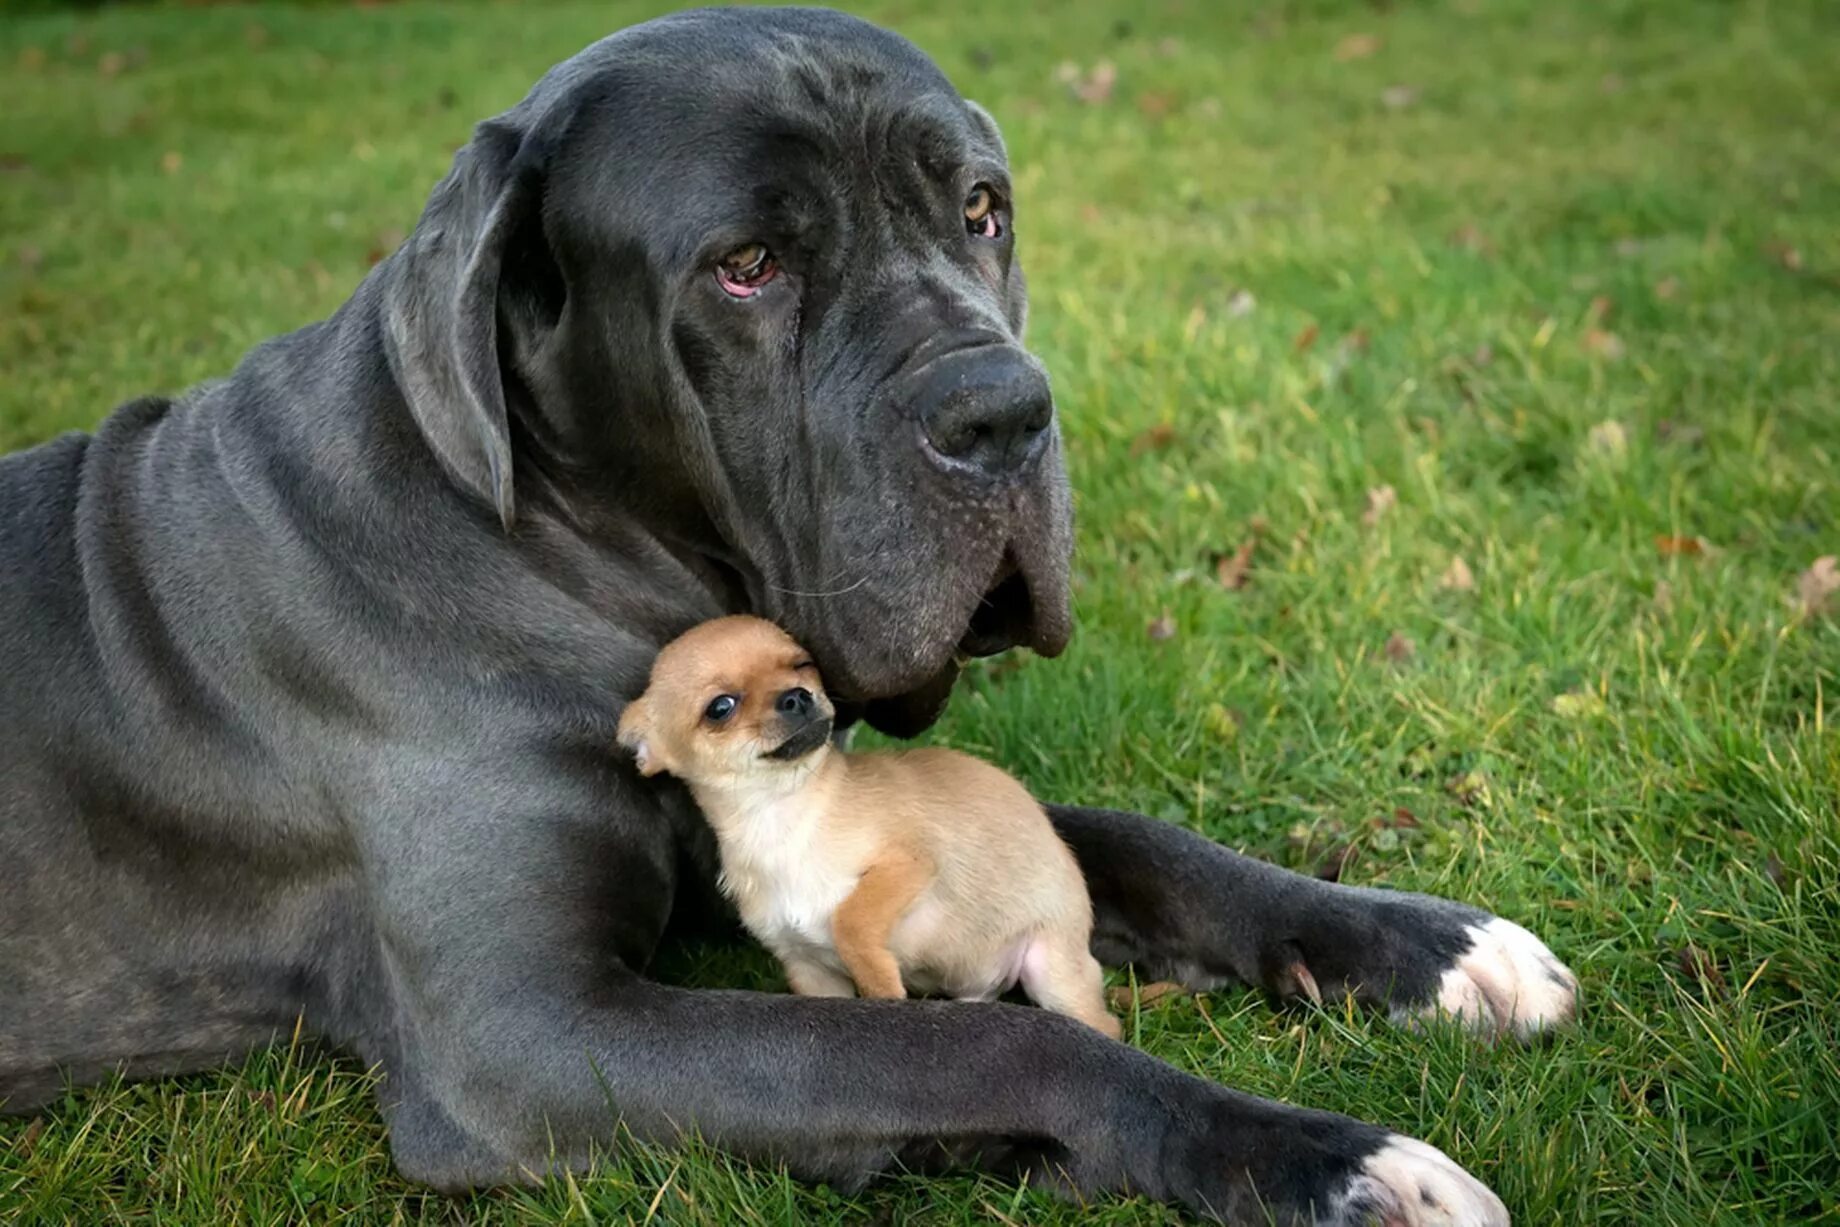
[[309, 677]]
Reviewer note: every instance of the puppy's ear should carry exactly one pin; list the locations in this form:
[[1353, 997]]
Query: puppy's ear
[[636, 735], [477, 257]]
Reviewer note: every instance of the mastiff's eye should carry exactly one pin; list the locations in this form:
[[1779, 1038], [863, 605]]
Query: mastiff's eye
[[981, 213], [744, 270], [720, 708]]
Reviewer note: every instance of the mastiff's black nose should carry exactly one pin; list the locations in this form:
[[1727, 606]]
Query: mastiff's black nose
[[987, 408], [796, 702]]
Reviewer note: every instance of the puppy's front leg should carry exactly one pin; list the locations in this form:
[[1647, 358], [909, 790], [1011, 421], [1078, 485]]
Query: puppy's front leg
[[809, 979], [865, 919]]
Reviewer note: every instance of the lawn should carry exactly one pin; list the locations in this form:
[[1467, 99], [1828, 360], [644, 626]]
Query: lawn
[[1504, 334]]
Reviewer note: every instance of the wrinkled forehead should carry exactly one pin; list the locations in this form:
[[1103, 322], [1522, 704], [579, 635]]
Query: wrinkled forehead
[[722, 129]]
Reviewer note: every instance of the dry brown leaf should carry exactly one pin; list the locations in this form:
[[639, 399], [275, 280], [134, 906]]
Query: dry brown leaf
[[1470, 238], [1600, 309], [171, 161], [1457, 577], [255, 34], [1154, 439], [1305, 338], [1161, 628], [1672, 547], [1334, 861], [111, 63], [1091, 213], [28, 1140], [1399, 648], [1097, 85], [1358, 47], [1404, 819], [1234, 570], [32, 59], [1684, 433], [1606, 345], [1121, 996], [1154, 104], [1667, 288], [1784, 254], [1380, 500], [1815, 587]]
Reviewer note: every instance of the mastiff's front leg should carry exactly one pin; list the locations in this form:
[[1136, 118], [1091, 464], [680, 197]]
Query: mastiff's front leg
[[1185, 907], [524, 1040]]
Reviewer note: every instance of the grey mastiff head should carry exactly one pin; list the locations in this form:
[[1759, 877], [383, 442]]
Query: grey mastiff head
[[767, 304]]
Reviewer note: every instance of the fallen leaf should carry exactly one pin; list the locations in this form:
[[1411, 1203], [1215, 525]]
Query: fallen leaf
[[1154, 439], [263, 1099], [1785, 255], [1817, 585], [1696, 963], [1155, 104], [1667, 288], [1398, 97], [1336, 860], [1600, 309], [1404, 819], [1609, 440], [255, 34], [1091, 214], [111, 63], [1684, 433], [1469, 237], [1578, 704], [1258, 526], [171, 161], [1304, 338], [1234, 570], [1457, 577], [1380, 500], [1671, 547], [1400, 649], [1470, 788], [32, 59], [28, 1140], [1606, 345], [1161, 628], [1121, 996], [1358, 47], [1240, 303], [1097, 85], [77, 46]]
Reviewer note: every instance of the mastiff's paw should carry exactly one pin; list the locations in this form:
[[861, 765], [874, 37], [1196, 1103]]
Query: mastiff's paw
[[1407, 1183], [1506, 982]]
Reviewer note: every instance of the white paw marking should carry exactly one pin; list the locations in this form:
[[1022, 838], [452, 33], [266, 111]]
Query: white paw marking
[[1412, 1184], [1507, 981]]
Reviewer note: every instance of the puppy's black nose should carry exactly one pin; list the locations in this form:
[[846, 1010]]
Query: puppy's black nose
[[988, 408], [796, 702]]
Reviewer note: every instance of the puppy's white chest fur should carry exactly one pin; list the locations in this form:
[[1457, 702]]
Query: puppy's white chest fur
[[787, 875]]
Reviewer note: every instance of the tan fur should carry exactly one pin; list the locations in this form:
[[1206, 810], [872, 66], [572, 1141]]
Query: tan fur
[[927, 869]]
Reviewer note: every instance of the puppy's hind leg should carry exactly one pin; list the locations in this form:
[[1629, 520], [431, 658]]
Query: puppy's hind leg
[[810, 979], [1059, 973]]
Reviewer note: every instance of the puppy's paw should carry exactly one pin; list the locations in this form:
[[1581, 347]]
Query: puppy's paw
[[1506, 983], [1407, 1183]]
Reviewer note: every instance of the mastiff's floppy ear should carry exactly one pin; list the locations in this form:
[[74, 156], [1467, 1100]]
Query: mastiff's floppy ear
[[476, 263]]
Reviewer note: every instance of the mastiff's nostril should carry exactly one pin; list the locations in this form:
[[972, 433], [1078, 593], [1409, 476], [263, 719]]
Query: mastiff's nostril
[[795, 702], [988, 408]]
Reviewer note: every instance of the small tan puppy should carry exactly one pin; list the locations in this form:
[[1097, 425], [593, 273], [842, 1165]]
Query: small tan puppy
[[927, 868]]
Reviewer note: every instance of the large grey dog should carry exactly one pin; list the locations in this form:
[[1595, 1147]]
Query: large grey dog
[[309, 677]]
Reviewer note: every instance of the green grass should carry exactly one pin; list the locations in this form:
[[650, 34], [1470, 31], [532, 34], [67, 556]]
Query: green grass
[[1655, 781]]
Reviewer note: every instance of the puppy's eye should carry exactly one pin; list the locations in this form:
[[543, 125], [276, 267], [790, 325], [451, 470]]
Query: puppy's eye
[[720, 708], [981, 217], [745, 269]]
